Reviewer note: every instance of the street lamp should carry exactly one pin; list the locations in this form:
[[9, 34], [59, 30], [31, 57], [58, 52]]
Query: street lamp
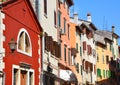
[[12, 44]]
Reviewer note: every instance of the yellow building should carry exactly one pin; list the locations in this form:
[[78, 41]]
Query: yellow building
[[104, 56]]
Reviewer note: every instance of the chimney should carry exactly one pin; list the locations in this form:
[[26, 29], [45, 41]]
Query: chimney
[[89, 17], [76, 18], [113, 28]]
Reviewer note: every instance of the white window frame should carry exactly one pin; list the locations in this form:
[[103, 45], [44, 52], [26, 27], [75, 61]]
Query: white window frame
[[19, 70], [21, 51]]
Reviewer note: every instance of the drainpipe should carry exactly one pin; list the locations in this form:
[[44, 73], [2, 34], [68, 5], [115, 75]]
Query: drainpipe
[[43, 48], [37, 2]]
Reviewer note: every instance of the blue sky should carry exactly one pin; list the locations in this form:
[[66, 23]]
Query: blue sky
[[105, 13]]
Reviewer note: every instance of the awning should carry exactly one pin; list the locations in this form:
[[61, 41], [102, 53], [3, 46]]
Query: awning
[[68, 75]]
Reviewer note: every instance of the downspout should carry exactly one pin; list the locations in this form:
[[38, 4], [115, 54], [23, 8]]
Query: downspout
[[37, 2], [42, 61]]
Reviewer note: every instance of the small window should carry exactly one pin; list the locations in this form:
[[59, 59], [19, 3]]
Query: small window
[[55, 18], [64, 25], [65, 52], [45, 7], [31, 78], [15, 77], [24, 44], [68, 31], [59, 19]]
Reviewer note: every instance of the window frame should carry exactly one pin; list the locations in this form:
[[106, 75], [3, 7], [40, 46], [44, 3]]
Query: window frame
[[23, 51]]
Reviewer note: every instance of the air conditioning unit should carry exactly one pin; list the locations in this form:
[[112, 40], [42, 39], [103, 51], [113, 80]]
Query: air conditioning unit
[[62, 32]]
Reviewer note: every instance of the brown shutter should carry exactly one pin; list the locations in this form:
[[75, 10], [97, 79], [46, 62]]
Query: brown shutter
[[91, 67], [84, 45], [59, 50], [95, 69], [90, 50]]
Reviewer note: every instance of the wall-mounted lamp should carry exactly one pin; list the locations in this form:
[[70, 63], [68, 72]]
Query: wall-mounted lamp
[[12, 44]]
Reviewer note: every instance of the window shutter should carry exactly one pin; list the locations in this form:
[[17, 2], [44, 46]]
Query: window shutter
[[88, 49], [59, 50], [84, 45], [91, 67], [94, 69]]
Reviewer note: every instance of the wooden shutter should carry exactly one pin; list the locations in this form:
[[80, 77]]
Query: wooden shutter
[[84, 45]]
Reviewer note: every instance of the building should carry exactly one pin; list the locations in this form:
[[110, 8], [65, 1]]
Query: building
[[104, 55], [46, 11], [19, 23], [107, 56], [88, 56], [76, 50], [66, 74]]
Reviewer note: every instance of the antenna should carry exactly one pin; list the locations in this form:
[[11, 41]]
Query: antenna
[[105, 23]]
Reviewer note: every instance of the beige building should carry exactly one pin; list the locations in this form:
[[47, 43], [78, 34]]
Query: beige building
[[88, 48]]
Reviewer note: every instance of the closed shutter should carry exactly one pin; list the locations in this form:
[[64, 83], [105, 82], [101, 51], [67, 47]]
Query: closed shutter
[[84, 45]]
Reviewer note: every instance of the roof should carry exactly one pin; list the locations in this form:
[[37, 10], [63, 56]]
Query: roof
[[105, 34], [89, 25], [99, 38]]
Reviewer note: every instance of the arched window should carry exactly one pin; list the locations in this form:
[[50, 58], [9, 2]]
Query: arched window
[[24, 43]]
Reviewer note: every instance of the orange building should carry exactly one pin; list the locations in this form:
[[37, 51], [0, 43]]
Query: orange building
[[64, 40], [75, 41]]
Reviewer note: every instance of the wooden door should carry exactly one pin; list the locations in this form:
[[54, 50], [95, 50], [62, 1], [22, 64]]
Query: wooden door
[[23, 78]]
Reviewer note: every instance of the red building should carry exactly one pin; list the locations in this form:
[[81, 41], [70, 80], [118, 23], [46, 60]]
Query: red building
[[22, 67]]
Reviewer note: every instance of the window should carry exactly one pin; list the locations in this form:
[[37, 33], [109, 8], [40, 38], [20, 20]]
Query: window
[[59, 18], [77, 46], [65, 52], [104, 73], [107, 59], [64, 25], [45, 7], [23, 76], [110, 47], [103, 59], [69, 56], [55, 18], [31, 78], [24, 42], [15, 79], [80, 51], [68, 31], [97, 58], [81, 69], [77, 67]]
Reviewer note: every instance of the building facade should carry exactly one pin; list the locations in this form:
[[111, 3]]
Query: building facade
[[63, 7], [88, 56], [19, 67], [104, 55]]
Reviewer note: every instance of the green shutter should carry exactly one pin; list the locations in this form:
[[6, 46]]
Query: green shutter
[[98, 72], [109, 74]]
